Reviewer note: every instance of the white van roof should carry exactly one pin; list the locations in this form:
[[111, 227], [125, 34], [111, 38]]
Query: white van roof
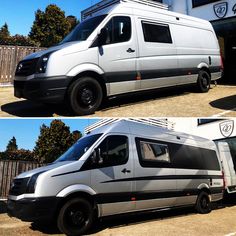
[[149, 131], [141, 7], [108, 4]]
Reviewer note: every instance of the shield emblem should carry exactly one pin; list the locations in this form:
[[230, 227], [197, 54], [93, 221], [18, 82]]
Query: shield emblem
[[221, 9], [227, 128]]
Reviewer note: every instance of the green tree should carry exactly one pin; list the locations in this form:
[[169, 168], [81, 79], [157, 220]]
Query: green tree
[[12, 146], [73, 21], [49, 27], [54, 141], [4, 34]]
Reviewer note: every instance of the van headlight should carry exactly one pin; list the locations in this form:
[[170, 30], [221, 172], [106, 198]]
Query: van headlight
[[43, 63], [32, 183]]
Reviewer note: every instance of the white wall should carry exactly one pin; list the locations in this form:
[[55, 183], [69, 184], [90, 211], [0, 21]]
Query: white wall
[[205, 12]]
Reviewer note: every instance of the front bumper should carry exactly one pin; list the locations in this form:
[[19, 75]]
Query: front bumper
[[33, 209], [50, 89]]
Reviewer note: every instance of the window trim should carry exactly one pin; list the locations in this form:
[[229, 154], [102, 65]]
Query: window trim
[[157, 24], [131, 28], [150, 163], [88, 166]]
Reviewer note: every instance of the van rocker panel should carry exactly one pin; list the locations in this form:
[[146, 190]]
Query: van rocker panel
[[48, 89]]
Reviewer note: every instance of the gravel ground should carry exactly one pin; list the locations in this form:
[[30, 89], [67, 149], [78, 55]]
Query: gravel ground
[[220, 222], [220, 101]]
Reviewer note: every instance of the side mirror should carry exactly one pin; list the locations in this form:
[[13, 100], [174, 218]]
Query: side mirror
[[96, 157], [102, 37]]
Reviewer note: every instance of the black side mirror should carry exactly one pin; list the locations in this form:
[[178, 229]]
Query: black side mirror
[[96, 157], [102, 37]]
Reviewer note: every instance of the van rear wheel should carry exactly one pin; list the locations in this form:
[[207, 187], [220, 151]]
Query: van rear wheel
[[75, 217], [203, 82], [85, 96], [203, 204]]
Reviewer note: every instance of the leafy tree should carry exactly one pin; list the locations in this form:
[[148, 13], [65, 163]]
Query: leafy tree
[[4, 33], [73, 21], [54, 141], [49, 27], [17, 155], [11, 146]]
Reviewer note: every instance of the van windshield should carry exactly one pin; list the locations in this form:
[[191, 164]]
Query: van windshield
[[83, 30], [75, 152]]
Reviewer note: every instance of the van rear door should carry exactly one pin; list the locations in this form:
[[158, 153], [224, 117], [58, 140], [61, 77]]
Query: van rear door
[[228, 166]]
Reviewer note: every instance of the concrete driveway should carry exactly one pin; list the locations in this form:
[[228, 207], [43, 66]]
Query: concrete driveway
[[220, 101]]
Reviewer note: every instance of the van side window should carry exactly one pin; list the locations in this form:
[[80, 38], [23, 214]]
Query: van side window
[[152, 153], [189, 157], [119, 29], [114, 151], [156, 33]]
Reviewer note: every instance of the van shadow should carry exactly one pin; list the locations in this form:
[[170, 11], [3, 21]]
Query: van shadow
[[27, 108], [135, 218], [227, 103], [3, 207]]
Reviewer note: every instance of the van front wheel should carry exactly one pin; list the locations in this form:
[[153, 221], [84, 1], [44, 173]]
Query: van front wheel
[[203, 204], [203, 82], [75, 217], [85, 96]]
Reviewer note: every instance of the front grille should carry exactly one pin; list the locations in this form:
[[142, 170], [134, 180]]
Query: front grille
[[19, 186], [26, 67]]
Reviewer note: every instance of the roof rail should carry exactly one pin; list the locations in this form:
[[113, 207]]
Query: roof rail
[[107, 3], [163, 123]]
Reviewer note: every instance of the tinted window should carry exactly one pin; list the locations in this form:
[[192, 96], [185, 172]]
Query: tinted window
[[171, 155], [78, 149], [83, 30], [119, 29], [189, 157], [152, 153], [156, 33], [197, 3], [114, 151]]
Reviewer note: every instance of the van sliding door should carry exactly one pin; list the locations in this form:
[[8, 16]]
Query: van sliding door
[[158, 62]]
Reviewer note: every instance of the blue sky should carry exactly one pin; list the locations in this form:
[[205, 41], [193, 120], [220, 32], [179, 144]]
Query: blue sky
[[26, 131], [19, 15]]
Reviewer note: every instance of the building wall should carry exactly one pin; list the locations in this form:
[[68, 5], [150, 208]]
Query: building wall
[[213, 131], [205, 12]]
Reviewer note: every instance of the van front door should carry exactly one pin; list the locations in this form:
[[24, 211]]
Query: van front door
[[112, 177], [117, 57]]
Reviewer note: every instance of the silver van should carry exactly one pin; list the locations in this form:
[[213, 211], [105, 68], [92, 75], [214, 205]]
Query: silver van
[[121, 46], [118, 168]]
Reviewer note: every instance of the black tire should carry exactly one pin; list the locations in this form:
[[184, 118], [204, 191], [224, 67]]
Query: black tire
[[203, 204], [203, 82], [75, 217], [85, 96]]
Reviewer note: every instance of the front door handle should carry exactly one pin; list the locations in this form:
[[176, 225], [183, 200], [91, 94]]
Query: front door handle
[[125, 171], [130, 50]]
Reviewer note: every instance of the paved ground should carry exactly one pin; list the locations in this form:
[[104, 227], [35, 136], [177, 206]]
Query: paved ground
[[181, 102], [220, 222]]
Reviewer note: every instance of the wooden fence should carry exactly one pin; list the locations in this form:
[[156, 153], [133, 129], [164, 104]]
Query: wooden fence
[[9, 58], [9, 170]]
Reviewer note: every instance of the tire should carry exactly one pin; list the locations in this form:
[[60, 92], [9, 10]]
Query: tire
[[203, 204], [203, 82], [75, 217], [85, 96]]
